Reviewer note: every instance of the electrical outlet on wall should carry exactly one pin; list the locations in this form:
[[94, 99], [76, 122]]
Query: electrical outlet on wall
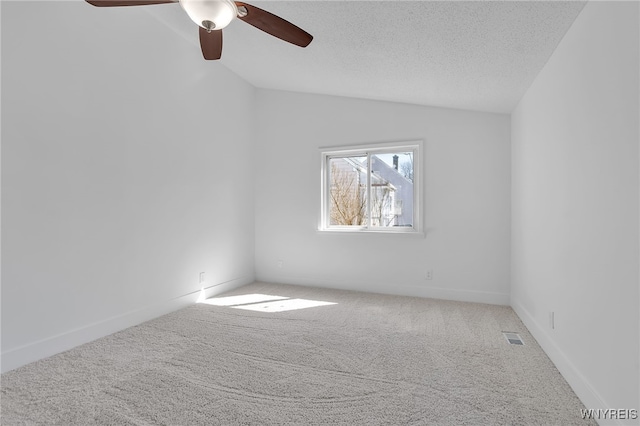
[[201, 277], [429, 274], [280, 264]]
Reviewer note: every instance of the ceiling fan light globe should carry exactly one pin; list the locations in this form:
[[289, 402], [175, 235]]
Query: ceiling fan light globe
[[220, 12]]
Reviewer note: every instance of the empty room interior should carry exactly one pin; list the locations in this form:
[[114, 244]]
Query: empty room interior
[[423, 213]]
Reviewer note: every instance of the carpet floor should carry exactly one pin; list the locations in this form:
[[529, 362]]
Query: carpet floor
[[366, 359]]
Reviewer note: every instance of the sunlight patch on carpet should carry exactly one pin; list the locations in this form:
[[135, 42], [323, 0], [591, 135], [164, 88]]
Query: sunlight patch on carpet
[[243, 299], [284, 305], [264, 302]]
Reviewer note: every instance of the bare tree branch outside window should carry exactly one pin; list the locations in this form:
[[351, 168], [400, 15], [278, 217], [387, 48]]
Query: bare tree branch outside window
[[406, 167], [348, 196]]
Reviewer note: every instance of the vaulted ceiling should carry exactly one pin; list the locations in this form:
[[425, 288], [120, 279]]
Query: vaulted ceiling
[[477, 55]]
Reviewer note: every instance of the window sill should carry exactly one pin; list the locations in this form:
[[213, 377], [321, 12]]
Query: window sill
[[362, 231]]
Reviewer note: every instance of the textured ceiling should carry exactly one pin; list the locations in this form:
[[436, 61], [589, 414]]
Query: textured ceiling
[[471, 55]]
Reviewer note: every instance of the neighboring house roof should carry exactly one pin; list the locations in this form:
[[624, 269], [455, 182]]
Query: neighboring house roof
[[387, 172]]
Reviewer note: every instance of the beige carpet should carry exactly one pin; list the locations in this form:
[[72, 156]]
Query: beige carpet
[[366, 360]]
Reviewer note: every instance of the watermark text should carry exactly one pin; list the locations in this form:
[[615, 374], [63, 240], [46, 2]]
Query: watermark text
[[609, 413]]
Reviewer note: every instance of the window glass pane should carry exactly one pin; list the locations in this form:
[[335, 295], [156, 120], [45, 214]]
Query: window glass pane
[[392, 189], [347, 191], [372, 188]]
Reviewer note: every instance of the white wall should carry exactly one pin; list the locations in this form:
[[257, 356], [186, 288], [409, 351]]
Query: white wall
[[575, 206], [123, 175], [466, 192]]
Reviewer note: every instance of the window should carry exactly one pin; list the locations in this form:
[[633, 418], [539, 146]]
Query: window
[[371, 188]]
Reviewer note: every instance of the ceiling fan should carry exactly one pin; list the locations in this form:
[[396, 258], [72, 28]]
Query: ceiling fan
[[213, 15]]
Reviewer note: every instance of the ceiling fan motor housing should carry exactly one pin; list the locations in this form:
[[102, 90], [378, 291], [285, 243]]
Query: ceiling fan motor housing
[[210, 14]]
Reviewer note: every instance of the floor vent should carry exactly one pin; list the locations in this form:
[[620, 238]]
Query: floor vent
[[513, 338]]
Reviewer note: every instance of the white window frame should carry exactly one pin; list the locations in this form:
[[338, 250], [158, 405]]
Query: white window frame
[[368, 150]]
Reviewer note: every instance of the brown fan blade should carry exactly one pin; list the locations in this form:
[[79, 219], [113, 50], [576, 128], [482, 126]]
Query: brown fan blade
[[111, 3], [211, 44], [274, 25]]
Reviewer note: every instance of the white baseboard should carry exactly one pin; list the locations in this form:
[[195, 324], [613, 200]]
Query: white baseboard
[[578, 382], [17, 357], [397, 290]]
